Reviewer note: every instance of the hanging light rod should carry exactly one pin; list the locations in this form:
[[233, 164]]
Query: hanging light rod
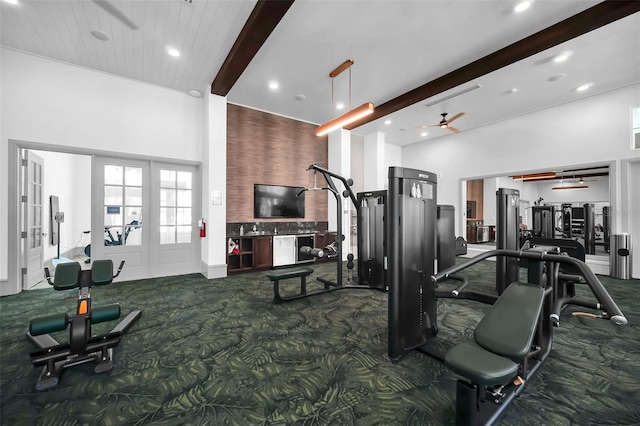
[[343, 66], [346, 118]]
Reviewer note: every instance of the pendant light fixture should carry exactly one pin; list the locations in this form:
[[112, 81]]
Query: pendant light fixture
[[349, 116]]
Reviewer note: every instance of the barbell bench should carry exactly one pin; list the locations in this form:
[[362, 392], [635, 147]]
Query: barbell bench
[[278, 275], [498, 359]]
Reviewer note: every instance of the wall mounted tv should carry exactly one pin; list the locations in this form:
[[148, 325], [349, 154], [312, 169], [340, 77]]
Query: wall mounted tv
[[275, 201]]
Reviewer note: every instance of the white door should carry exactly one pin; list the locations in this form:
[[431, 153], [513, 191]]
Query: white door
[[120, 210], [32, 213], [146, 215], [175, 238]]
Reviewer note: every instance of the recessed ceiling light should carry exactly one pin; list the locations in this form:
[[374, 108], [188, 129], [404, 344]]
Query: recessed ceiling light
[[387, 122], [561, 57], [195, 93], [522, 6], [423, 134], [556, 77], [273, 85], [339, 105], [583, 87], [173, 52], [100, 35], [14, 2], [513, 90]]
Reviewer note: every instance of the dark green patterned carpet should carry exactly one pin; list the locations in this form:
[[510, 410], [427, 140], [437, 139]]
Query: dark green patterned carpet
[[219, 352]]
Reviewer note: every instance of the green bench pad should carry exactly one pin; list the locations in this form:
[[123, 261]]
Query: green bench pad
[[105, 313], [480, 366], [102, 272], [508, 328], [283, 274], [48, 324], [66, 276]]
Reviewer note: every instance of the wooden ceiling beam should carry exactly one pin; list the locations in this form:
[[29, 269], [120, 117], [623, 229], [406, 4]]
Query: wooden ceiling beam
[[593, 18], [263, 19]]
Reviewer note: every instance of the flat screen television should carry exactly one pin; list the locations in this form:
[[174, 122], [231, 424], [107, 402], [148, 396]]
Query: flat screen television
[[276, 201]]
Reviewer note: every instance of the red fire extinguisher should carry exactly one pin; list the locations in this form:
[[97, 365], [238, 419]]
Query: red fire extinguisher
[[203, 228]]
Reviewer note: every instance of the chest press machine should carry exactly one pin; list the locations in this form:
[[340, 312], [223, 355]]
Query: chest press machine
[[82, 346], [513, 338]]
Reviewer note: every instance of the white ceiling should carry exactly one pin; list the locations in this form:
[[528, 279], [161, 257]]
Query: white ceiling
[[396, 45]]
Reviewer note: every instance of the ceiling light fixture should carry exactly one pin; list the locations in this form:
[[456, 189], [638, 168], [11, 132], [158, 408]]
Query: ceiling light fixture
[[339, 105], [387, 122], [173, 52], [13, 2], [195, 93], [423, 134], [349, 116], [273, 85], [583, 87], [561, 57], [570, 187], [522, 6]]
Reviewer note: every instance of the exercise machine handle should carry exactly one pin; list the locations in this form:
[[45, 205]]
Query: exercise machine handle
[[47, 275], [606, 302], [119, 269]]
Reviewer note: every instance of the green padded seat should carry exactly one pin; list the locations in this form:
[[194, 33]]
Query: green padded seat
[[48, 324], [105, 313], [102, 272], [66, 276], [508, 328], [504, 334], [480, 366], [283, 274]]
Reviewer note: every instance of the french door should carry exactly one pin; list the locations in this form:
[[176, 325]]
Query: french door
[[145, 214], [32, 214]]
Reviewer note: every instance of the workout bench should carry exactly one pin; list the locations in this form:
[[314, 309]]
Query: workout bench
[[495, 366], [282, 274], [82, 346]]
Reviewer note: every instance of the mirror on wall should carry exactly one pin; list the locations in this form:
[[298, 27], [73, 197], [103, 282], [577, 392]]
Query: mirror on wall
[[544, 196]]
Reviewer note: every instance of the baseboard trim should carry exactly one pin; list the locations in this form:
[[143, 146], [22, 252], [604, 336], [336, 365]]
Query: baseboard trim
[[213, 271]]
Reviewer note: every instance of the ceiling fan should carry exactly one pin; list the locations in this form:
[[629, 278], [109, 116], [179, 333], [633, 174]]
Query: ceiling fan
[[444, 123], [116, 13]]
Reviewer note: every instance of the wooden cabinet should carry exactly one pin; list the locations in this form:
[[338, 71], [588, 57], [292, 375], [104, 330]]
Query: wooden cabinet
[[241, 257], [262, 252]]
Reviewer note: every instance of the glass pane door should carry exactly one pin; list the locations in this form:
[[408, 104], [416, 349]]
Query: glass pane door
[[122, 205]]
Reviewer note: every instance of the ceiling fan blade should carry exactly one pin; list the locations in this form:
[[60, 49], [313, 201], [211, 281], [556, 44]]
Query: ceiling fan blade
[[453, 129], [116, 13], [455, 117]]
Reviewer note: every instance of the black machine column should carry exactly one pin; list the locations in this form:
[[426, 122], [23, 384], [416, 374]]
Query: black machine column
[[507, 236], [589, 229], [371, 239], [446, 245], [566, 220], [544, 218], [411, 250]]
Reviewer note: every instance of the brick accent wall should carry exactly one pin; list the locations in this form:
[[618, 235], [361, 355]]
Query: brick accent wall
[[271, 149]]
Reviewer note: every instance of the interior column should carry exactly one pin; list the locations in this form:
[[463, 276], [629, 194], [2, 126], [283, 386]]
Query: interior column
[[340, 163]]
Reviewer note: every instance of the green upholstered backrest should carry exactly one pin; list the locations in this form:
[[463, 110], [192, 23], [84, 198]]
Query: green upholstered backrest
[[508, 328], [102, 272], [66, 276]]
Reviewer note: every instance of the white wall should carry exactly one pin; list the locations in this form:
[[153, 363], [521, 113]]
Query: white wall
[[67, 176], [598, 191], [592, 130], [76, 109]]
